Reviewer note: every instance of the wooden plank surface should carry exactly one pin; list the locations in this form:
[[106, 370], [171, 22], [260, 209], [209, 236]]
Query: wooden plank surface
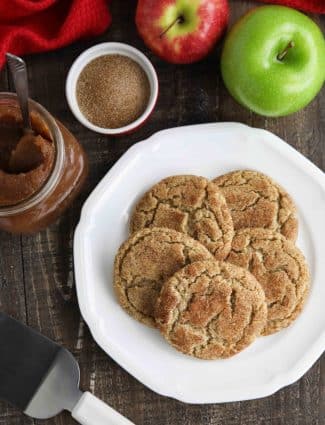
[[36, 272]]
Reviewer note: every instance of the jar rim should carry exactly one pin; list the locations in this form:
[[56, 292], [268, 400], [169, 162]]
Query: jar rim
[[53, 179]]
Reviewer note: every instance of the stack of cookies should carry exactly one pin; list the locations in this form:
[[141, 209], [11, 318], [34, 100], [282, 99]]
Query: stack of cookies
[[213, 264]]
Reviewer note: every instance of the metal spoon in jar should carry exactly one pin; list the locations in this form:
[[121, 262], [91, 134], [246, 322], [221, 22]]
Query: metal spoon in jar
[[18, 71]]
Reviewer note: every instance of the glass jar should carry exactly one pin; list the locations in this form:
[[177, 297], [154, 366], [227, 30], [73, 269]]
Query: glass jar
[[66, 177]]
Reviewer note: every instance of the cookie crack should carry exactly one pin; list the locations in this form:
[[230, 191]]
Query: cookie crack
[[232, 301], [296, 283], [191, 212], [135, 308], [210, 336], [279, 221]]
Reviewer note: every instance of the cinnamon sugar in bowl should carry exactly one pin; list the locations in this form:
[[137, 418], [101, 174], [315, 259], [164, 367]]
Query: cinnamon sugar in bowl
[[112, 91], [112, 88]]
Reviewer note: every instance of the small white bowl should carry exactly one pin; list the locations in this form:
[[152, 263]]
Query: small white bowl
[[110, 49]]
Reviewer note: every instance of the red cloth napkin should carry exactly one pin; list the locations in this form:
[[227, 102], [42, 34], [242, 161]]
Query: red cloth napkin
[[28, 26], [314, 6]]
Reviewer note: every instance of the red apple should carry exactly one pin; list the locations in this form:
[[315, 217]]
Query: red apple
[[181, 31]]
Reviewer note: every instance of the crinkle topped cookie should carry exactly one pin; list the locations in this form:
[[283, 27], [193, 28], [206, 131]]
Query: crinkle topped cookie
[[255, 200], [211, 309], [145, 261], [191, 205], [281, 269]]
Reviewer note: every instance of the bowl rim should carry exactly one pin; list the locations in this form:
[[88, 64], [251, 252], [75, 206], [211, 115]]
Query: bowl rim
[[102, 49]]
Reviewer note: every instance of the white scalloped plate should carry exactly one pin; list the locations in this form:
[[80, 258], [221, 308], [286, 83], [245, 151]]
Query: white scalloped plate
[[209, 150]]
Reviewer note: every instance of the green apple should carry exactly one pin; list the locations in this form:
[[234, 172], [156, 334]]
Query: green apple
[[273, 60]]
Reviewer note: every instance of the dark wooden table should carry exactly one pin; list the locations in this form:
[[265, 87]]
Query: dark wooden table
[[36, 272]]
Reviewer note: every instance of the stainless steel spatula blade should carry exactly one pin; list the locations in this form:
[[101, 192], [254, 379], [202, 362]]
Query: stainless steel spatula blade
[[42, 379], [59, 390]]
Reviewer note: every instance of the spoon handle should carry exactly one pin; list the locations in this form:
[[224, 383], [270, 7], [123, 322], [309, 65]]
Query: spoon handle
[[18, 71]]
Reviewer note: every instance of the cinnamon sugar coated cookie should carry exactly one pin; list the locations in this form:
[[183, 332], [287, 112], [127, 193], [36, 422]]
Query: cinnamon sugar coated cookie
[[280, 268], [211, 309], [191, 205], [255, 200], [145, 261]]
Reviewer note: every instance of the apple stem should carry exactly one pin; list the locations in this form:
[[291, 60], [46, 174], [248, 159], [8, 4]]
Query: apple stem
[[283, 54], [178, 20]]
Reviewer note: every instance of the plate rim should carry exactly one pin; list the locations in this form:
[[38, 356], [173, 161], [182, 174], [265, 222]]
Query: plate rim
[[278, 381]]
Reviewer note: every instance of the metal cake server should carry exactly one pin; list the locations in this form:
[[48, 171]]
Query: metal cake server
[[41, 378]]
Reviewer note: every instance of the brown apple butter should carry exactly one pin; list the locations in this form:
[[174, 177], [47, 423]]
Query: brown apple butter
[[40, 172], [26, 160]]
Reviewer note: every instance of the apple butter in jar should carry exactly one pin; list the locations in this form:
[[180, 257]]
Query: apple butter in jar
[[41, 172]]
